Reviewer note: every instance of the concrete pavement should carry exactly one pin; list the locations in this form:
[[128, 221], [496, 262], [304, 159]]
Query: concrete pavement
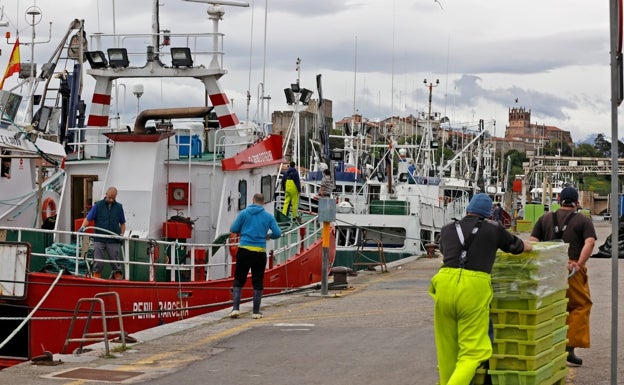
[[379, 331]]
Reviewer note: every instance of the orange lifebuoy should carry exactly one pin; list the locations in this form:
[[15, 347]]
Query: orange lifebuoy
[[233, 240], [48, 209]]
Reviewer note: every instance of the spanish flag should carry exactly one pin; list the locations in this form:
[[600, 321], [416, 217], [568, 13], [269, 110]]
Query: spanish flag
[[14, 63]]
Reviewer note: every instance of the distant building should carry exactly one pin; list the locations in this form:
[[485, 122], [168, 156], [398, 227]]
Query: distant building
[[522, 135]]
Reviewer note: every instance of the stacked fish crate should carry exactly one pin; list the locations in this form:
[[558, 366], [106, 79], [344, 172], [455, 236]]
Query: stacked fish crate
[[529, 316]]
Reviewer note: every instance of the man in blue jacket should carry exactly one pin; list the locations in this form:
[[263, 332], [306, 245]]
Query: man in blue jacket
[[108, 214], [253, 224]]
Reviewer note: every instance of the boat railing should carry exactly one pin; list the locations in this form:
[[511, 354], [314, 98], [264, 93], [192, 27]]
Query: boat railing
[[89, 142], [293, 242], [200, 44], [92, 144], [151, 260]]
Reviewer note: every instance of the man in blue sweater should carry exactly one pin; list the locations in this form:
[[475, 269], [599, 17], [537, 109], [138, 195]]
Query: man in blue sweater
[[253, 224]]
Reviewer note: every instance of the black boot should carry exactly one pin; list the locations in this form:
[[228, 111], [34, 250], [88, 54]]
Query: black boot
[[236, 295], [572, 358]]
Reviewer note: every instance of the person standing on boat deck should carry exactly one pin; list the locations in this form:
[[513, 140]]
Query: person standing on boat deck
[[327, 184], [6, 168], [462, 290], [497, 213], [578, 231], [107, 214], [411, 171], [292, 187], [253, 224]]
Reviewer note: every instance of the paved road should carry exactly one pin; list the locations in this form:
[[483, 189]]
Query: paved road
[[379, 331]]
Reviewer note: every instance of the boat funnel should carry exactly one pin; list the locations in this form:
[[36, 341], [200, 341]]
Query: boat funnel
[[168, 113]]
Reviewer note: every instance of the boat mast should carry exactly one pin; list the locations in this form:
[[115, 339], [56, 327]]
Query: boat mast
[[427, 139], [35, 14]]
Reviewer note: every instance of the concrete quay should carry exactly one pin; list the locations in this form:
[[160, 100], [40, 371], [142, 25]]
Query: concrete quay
[[378, 331]]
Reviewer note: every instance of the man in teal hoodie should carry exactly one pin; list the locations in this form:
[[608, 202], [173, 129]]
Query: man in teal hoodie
[[253, 224]]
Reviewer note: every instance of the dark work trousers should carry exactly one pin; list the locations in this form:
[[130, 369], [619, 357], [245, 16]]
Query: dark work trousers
[[246, 260]]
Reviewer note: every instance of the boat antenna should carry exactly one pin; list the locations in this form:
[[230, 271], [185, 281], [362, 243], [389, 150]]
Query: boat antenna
[[215, 13], [251, 31]]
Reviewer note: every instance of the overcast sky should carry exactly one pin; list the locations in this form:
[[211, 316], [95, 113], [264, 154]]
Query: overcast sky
[[552, 56]]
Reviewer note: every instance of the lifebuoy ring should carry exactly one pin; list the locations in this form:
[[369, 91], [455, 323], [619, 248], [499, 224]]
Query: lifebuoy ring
[[48, 208], [233, 240]]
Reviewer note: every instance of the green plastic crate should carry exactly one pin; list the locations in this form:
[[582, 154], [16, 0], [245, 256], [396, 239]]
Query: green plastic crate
[[522, 377], [528, 332], [521, 347], [524, 363], [479, 378], [560, 334], [559, 378], [528, 362], [526, 301], [549, 374], [528, 317]]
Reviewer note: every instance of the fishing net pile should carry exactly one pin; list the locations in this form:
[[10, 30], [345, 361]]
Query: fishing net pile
[[65, 258]]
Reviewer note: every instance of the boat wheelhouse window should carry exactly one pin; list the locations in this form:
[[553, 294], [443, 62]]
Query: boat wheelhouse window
[[266, 187], [242, 194], [6, 164]]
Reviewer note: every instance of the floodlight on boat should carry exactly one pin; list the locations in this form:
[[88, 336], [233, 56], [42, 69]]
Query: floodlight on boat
[[306, 94], [27, 69], [96, 59], [181, 57], [41, 118], [118, 57], [290, 96], [47, 70]]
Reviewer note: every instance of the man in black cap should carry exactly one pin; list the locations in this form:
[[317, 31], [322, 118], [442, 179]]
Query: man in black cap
[[578, 231], [462, 290]]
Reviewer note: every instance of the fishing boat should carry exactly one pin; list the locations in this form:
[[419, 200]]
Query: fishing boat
[[32, 177], [182, 175], [394, 206]]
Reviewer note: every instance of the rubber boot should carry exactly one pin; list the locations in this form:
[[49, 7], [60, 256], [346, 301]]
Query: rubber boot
[[236, 295], [572, 358], [257, 298]]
